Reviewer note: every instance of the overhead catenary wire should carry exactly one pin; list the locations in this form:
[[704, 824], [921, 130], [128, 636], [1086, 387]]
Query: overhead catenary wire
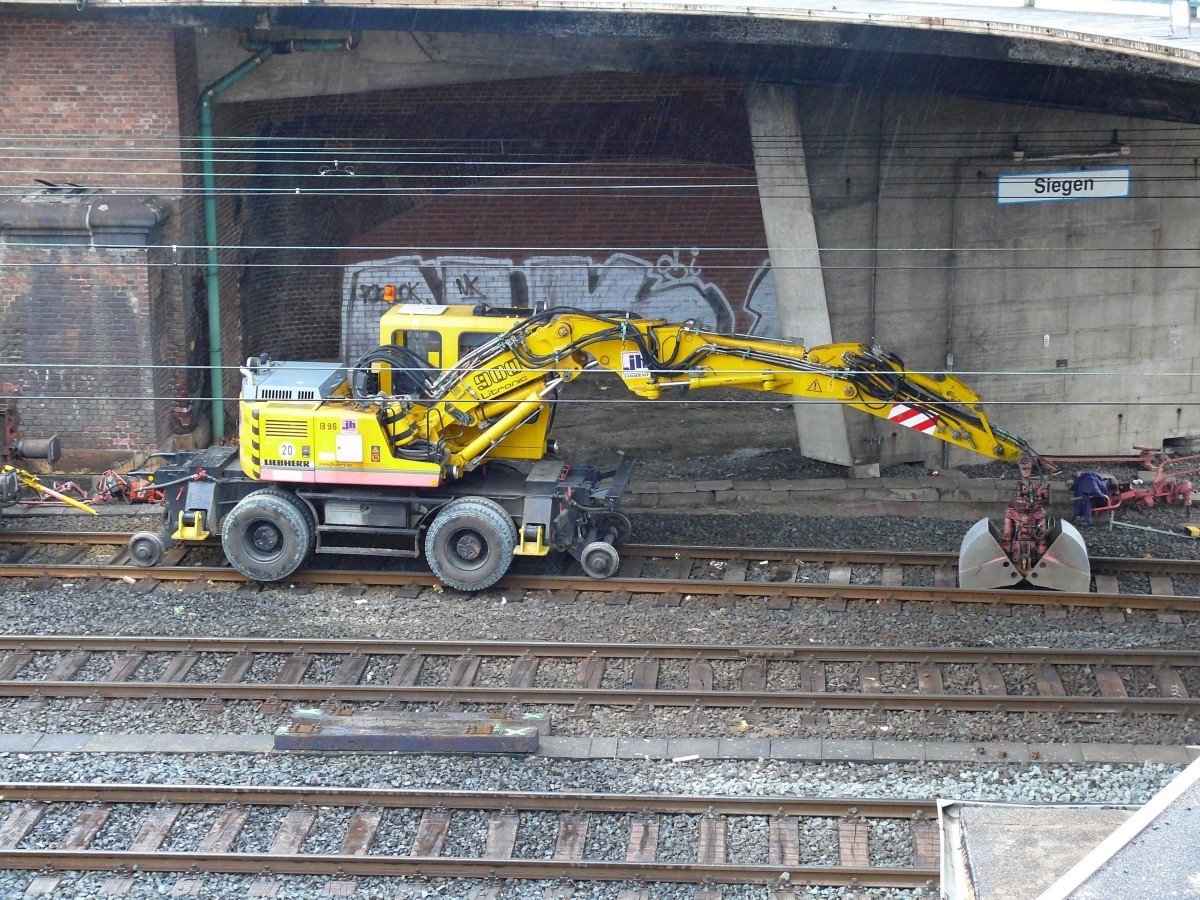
[[779, 400]]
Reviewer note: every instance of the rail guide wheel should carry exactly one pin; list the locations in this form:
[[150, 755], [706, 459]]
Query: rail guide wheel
[[470, 544], [599, 559], [268, 534], [146, 549]]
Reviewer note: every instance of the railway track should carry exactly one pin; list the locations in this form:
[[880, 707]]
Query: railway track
[[667, 574], [345, 834], [585, 675]]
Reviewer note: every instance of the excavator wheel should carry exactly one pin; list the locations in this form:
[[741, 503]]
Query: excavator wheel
[[301, 507], [470, 544], [268, 535]]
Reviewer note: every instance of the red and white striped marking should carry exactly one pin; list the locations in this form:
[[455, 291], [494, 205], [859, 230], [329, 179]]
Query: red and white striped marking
[[913, 418]]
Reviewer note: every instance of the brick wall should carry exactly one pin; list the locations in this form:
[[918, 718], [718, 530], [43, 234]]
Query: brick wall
[[65, 316], [99, 105], [605, 125], [578, 237], [88, 89]]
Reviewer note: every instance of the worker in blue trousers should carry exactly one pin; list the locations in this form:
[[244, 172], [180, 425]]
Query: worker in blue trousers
[[1089, 487]]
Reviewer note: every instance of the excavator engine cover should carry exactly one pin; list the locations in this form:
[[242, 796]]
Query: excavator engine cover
[[983, 564]]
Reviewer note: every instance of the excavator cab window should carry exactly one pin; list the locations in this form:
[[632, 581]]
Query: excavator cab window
[[427, 343], [469, 340]]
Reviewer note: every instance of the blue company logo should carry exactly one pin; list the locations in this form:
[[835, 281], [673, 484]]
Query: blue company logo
[[633, 365]]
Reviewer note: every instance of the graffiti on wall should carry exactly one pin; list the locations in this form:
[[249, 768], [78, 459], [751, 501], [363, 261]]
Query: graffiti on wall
[[670, 287]]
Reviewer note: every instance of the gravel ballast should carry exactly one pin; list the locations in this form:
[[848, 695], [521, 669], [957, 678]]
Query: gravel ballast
[[1119, 785], [278, 611]]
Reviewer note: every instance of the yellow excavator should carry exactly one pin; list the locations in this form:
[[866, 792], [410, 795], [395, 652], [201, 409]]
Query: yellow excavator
[[440, 441]]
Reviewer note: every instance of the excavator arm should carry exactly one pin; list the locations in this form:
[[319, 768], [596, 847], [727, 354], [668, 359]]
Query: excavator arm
[[464, 413]]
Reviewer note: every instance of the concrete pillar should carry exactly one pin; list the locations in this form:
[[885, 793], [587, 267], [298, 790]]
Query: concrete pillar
[[796, 263]]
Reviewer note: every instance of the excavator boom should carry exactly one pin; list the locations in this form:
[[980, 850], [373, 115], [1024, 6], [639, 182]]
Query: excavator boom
[[466, 412]]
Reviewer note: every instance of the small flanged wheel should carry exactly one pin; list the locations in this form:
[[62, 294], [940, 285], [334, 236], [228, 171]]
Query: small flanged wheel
[[267, 535], [599, 559], [470, 544], [618, 522], [146, 549]]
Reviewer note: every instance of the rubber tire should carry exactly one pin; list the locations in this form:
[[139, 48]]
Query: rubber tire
[[300, 505], [277, 510], [478, 520]]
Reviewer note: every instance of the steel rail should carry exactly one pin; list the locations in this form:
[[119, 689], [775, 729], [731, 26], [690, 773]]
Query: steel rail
[[565, 801], [654, 586], [629, 697], [65, 537], [450, 867], [1162, 664], [583, 649], [930, 558]]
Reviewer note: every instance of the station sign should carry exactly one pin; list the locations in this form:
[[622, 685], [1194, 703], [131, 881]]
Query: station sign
[[1047, 187]]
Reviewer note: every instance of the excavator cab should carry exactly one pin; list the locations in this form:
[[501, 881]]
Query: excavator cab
[[443, 343]]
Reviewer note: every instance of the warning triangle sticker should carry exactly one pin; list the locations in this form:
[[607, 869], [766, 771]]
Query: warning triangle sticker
[[815, 387]]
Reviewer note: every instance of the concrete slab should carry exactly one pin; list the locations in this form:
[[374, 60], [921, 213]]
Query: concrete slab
[[1056, 753], [745, 748], [61, 743], [641, 748], [806, 749], [1152, 854], [751, 485], [565, 747], [1166, 754], [857, 751], [949, 751], [133, 743], [604, 748], [19, 743], [1000, 852], [705, 748], [723, 484], [1108, 753], [1013, 751], [220, 743], [899, 751]]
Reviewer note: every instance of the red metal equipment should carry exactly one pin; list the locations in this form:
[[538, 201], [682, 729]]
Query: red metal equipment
[[1026, 536], [1166, 487], [12, 445], [1164, 484], [114, 486]]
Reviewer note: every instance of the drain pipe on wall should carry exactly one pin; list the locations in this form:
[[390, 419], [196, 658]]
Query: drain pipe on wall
[[262, 50]]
